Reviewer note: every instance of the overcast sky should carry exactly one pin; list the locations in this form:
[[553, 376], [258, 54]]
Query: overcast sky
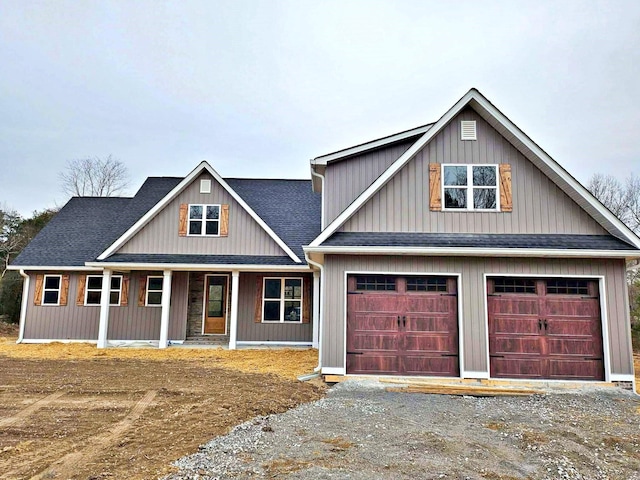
[[258, 88]]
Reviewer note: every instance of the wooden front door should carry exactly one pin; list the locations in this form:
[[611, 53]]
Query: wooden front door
[[545, 329], [215, 305], [402, 325]]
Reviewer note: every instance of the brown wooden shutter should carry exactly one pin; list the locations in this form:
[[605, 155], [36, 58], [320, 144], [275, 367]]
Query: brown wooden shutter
[[124, 295], [82, 282], [224, 220], [142, 290], [37, 293], [435, 187], [506, 198], [307, 300], [64, 290], [258, 313], [182, 220]]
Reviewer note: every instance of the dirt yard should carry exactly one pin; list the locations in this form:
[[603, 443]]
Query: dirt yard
[[75, 412]]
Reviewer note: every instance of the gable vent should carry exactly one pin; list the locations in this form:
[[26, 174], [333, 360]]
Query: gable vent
[[205, 186], [468, 130]]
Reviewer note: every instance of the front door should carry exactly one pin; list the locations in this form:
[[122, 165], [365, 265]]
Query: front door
[[215, 305]]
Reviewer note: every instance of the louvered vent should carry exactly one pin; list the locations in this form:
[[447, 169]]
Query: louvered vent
[[205, 186], [468, 130]]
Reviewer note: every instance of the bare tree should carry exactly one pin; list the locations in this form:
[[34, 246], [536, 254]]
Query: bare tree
[[94, 177], [622, 198]]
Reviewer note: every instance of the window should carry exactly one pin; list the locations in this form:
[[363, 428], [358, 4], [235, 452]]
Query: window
[[470, 187], [204, 220], [154, 291], [426, 284], [93, 292], [514, 285], [282, 300], [375, 282], [51, 290], [567, 287]]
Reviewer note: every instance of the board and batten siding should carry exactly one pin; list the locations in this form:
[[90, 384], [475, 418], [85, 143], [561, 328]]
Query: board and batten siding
[[131, 322], [472, 291], [539, 205], [250, 331], [346, 179], [160, 235]]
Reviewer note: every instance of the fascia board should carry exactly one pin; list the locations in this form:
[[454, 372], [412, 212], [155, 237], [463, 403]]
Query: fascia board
[[472, 252], [66, 268], [147, 217], [393, 169], [347, 152], [195, 267]]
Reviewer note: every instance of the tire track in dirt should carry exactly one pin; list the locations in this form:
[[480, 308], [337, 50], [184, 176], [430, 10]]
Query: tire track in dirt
[[66, 467], [25, 412]]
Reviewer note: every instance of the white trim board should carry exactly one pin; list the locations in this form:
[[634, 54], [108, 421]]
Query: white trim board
[[257, 342], [197, 267], [532, 151], [78, 268], [158, 207]]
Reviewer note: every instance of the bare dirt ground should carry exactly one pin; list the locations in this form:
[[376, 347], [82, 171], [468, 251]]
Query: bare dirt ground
[[75, 412]]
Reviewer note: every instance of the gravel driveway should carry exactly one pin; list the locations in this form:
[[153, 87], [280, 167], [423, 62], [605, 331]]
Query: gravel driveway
[[362, 431]]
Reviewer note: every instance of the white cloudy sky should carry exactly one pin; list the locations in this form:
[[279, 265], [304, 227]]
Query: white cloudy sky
[[259, 87]]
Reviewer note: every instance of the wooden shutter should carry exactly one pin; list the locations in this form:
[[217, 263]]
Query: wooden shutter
[[64, 290], [307, 300], [258, 312], [435, 187], [224, 220], [124, 294], [82, 282], [182, 219], [142, 290], [506, 198], [37, 293]]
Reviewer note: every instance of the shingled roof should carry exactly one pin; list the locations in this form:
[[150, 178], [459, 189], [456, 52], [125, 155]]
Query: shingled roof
[[87, 226]]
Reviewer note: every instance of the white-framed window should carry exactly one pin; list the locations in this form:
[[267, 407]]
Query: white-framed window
[[282, 300], [204, 220], [93, 290], [154, 292], [51, 290], [470, 187]]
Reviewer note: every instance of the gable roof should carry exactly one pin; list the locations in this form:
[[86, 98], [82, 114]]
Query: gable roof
[[186, 181], [516, 137]]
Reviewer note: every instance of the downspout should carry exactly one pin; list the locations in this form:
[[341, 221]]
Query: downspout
[[321, 177], [23, 305], [321, 313]]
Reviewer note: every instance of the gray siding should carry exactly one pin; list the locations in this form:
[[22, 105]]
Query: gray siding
[[72, 322], [160, 235], [539, 206], [472, 291], [248, 330], [347, 179]]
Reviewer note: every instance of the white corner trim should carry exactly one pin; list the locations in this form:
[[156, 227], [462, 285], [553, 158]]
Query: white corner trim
[[203, 166], [483, 103], [478, 375], [333, 371], [363, 147]]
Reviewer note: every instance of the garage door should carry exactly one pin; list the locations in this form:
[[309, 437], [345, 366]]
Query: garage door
[[545, 329], [402, 325]]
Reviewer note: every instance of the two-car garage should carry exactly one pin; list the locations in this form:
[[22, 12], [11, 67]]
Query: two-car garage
[[538, 328]]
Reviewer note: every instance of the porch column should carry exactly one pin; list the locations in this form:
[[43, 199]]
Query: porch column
[[105, 293], [233, 327], [316, 308], [166, 307]]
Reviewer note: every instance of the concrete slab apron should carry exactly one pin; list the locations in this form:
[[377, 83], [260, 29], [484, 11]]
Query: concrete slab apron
[[362, 431]]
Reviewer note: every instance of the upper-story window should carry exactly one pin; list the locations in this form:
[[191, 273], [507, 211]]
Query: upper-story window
[[470, 187], [204, 220]]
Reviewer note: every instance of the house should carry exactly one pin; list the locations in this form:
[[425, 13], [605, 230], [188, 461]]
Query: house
[[457, 249]]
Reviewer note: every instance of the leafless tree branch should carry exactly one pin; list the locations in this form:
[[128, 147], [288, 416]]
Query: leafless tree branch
[[94, 177]]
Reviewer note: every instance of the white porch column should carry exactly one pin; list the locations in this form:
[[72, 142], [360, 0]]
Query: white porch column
[[105, 293], [166, 306], [233, 327], [316, 308]]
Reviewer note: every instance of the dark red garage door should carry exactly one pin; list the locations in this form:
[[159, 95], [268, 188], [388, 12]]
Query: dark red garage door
[[545, 329], [402, 325]]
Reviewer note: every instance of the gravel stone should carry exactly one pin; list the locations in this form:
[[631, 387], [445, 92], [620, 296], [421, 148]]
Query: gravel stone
[[361, 431]]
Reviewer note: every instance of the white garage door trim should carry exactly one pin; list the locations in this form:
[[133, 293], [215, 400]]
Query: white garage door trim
[[603, 318], [456, 275]]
